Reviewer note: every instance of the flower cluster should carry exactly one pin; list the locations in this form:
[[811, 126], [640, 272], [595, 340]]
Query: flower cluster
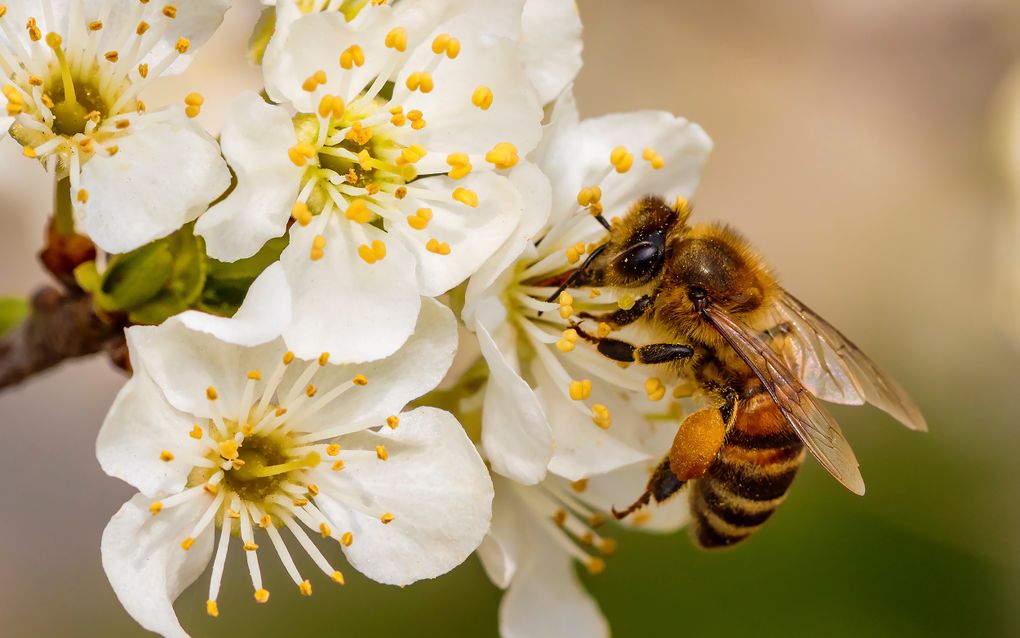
[[411, 184]]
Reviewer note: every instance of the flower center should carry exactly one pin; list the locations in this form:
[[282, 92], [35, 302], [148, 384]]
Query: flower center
[[262, 466]]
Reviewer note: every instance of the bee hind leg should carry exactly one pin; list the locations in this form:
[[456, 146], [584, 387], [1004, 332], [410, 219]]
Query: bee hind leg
[[661, 486]]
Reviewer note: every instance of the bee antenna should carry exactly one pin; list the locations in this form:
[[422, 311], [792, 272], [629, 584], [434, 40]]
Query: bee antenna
[[577, 273]]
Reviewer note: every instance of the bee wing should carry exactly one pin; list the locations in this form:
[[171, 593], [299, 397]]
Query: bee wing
[[836, 370], [805, 414]]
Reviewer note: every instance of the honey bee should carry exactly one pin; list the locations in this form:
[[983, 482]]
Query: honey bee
[[762, 358]]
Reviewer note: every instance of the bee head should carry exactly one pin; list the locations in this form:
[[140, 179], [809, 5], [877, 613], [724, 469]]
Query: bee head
[[637, 250]]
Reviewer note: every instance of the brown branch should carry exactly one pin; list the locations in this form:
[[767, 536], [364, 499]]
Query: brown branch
[[61, 326]]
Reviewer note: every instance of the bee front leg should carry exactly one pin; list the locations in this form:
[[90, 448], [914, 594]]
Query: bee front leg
[[620, 318], [622, 351]]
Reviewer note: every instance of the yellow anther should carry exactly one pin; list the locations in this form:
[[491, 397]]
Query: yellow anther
[[142, 28], [438, 247], [580, 390], [560, 517], [411, 154], [608, 546], [373, 253], [466, 196], [233, 514], [482, 97], [460, 165], [339, 465], [347, 539], [420, 219], [397, 39], [28, 151], [83, 196], [651, 156], [579, 485], [156, 507], [358, 212], [111, 56], [305, 587], [299, 501], [123, 124], [318, 250], [95, 25], [589, 195], [262, 596], [445, 43], [250, 547], [281, 411], [626, 302], [655, 389], [170, 11], [228, 449], [187, 543], [381, 453], [338, 578], [211, 394], [325, 530], [311, 390], [265, 521], [595, 566], [393, 422], [360, 380], [166, 456], [320, 76], [386, 518], [33, 30], [572, 255], [182, 45], [143, 70], [568, 341], [211, 608], [301, 213], [503, 155], [352, 56], [112, 150], [211, 489], [603, 330], [621, 159], [333, 449], [420, 81], [600, 416], [365, 160], [254, 375]]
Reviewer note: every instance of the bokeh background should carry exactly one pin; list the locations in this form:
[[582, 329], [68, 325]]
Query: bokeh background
[[863, 147]]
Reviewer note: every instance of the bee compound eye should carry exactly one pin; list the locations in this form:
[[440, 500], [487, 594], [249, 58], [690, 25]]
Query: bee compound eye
[[641, 260], [696, 293]]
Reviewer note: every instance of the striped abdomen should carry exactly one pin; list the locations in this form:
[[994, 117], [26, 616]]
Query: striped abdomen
[[748, 478]]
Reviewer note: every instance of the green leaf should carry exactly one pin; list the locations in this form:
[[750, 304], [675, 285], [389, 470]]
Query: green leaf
[[227, 284], [136, 277], [183, 286], [13, 311]]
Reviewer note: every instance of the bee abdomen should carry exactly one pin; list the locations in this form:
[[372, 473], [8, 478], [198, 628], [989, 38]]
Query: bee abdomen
[[742, 488]]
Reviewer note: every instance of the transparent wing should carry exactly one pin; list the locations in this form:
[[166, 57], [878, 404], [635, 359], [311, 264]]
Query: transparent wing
[[836, 370], [805, 414]]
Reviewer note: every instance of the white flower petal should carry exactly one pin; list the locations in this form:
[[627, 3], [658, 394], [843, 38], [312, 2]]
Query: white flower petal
[[314, 42], [455, 124], [196, 21], [583, 448], [473, 234], [354, 310], [185, 362], [255, 140], [507, 541], [536, 195], [551, 45], [166, 173], [138, 428], [5, 125], [546, 598], [415, 369], [515, 432], [261, 318], [435, 485], [579, 156], [146, 565]]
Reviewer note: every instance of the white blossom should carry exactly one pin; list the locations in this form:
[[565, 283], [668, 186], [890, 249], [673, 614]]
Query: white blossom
[[389, 147], [75, 71], [256, 443], [551, 400]]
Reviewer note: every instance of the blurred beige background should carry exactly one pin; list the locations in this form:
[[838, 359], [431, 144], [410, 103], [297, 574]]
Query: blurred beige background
[[858, 144]]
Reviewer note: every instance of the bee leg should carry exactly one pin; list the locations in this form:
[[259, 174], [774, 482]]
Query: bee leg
[[620, 318], [622, 351], [663, 484]]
